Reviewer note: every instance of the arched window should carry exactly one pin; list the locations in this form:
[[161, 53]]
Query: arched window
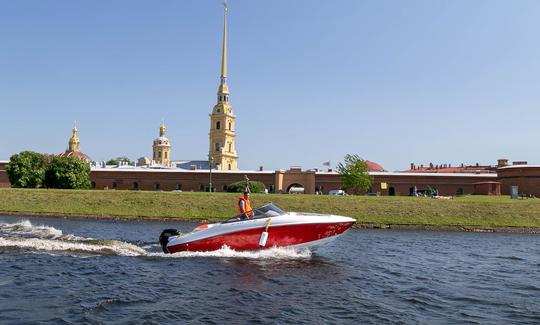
[[230, 167], [216, 145], [230, 147], [165, 154], [218, 125], [230, 126], [159, 154]]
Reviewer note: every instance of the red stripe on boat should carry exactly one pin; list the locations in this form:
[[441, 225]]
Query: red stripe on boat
[[201, 227]]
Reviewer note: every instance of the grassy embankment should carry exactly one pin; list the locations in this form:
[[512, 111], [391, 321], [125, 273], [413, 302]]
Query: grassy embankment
[[468, 211]]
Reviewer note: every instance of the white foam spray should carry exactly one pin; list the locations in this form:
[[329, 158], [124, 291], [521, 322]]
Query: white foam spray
[[25, 235], [269, 253]]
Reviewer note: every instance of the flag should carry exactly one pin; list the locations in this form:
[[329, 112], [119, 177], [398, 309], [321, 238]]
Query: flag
[[326, 163]]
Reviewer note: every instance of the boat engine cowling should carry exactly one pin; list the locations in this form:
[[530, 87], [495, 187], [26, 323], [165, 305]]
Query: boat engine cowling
[[164, 238]]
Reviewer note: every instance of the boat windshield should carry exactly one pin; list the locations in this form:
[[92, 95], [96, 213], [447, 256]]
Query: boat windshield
[[265, 211]]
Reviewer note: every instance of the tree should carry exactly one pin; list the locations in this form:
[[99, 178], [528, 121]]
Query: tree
[[117, 160], [240, 187], [67, 173], [354, 174], [27, 169]]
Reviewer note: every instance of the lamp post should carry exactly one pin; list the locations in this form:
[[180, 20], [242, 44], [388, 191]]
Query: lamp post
[[210, 162]]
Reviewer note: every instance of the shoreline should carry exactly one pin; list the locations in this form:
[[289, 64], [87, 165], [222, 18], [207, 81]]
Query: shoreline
[[357, 225]]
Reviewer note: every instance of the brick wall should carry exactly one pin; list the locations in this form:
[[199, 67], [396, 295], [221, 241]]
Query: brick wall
[[526, 178], [4, 180]]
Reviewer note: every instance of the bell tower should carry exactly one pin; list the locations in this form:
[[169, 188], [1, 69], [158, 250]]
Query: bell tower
[[161, 148], [222, 149]]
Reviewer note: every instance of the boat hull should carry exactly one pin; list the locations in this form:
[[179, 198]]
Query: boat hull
[[280, 235]]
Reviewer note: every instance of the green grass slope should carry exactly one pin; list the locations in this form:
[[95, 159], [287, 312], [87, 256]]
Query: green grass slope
[[481, 211]]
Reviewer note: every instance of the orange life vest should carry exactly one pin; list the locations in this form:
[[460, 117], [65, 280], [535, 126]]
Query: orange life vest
[[247, 206]]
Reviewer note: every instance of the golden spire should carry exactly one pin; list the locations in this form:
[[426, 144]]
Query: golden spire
[[74, 140], [224, 49], [223, 89], [162, 129]]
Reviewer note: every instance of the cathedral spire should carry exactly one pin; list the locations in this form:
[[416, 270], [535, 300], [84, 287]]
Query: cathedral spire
[[223, 90], [222, 149]]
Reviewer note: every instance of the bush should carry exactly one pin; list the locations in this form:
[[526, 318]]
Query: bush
[[67, 173], [27, 169], [240, 187], [115, 161]]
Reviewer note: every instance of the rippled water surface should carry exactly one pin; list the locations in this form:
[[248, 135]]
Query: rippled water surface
[[72, 271]]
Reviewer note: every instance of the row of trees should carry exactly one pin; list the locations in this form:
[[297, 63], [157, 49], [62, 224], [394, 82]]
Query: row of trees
[[30, 169]]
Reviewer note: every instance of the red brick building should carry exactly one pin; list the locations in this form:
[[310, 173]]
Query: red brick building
[[4, 180], [487, 181], [525, 177]]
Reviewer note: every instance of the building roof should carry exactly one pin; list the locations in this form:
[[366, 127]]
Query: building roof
[[385, 173], [486, 182], [519, 166], [464, 169], [494, 175], [186, 164], [374, 167], [176, 170], [77, 154]]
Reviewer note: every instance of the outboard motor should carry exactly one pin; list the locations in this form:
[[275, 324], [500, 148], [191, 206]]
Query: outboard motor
[[164, 238]]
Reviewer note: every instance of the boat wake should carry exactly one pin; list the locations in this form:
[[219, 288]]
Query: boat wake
[[24, 236]]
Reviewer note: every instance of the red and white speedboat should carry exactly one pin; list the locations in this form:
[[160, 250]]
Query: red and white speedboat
[[269, 227]]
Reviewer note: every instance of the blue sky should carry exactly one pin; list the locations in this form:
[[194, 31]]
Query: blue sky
[[393, 81]]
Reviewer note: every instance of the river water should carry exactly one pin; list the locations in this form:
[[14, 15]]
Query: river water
[[65, 271]]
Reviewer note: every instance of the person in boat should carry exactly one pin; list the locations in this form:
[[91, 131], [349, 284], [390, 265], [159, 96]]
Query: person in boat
[[244, 206]]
